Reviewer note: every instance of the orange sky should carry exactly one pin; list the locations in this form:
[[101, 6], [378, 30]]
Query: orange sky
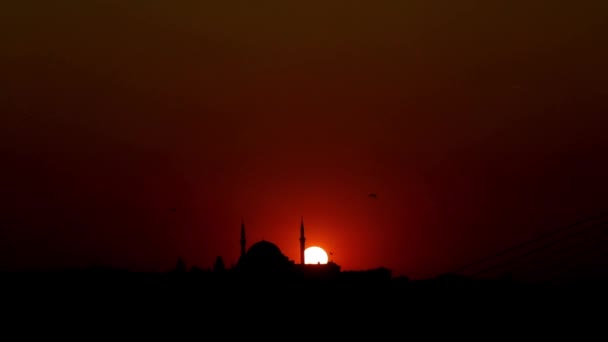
[[478, 123]]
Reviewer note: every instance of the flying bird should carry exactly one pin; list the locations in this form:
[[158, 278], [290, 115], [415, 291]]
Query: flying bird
[[373, 195]]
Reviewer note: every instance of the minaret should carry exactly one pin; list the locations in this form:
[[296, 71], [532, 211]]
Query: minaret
[[302, 242], [243, 240]]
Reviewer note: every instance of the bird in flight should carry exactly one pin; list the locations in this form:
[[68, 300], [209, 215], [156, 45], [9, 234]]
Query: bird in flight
[[373, 195]]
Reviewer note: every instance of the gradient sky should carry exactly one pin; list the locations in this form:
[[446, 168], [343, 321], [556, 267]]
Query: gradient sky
[[479, 124]]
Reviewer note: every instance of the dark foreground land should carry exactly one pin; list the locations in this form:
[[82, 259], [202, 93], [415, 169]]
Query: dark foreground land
[[172, 287], [346, 307]]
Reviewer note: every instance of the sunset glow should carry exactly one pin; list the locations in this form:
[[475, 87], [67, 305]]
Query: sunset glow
[[416, 135], [315, 255]]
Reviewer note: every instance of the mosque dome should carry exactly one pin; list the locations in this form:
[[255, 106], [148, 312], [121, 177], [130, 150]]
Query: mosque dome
[[263, 256]]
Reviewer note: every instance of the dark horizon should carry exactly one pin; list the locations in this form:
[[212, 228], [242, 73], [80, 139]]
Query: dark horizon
[[584, 238]]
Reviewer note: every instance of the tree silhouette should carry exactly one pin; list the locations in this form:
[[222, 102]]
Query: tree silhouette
[[219, 264], [180, 266]]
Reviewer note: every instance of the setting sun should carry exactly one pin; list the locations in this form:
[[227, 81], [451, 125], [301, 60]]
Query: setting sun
[[315, 255]]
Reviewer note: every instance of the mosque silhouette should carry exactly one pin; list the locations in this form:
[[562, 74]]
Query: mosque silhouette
[[265, 259]]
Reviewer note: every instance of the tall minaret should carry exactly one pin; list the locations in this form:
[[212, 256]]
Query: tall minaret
[[243, 240], [302, 242]]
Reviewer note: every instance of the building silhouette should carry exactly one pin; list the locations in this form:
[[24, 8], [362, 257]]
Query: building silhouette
[[265, 258], [302, 242]]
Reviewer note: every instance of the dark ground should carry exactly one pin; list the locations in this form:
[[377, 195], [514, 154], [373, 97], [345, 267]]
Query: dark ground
[[214, 302]]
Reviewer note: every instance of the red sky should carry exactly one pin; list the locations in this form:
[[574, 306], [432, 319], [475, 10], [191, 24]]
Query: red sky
[[479, 124]]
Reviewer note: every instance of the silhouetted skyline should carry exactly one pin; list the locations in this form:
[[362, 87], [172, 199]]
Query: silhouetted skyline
[[420, 136]]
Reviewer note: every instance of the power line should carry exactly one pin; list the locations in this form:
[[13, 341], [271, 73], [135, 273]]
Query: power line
[[530, 242], [542, 247], [559, 255], [600, 245]]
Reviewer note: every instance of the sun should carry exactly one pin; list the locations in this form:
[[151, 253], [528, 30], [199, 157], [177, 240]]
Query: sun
[[315, 255]]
